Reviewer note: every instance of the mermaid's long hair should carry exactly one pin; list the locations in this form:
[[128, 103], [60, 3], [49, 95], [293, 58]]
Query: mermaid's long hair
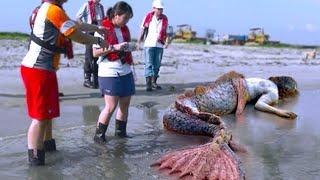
[[287, 86]]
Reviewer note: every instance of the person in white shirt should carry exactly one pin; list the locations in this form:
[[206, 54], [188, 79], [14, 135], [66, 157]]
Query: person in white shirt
[[116, 80], [154, 32], [91, 12]]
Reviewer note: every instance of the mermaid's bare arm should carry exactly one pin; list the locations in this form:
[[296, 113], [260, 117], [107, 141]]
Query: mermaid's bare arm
[[264, 104]]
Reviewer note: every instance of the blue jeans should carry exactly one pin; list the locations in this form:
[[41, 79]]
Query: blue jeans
[[152, 61]]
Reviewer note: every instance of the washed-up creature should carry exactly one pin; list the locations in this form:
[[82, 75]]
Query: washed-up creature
[[197, 112]]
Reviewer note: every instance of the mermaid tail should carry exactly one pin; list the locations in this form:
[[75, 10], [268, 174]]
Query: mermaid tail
[[175, 120], [197, 113], [214, 160]]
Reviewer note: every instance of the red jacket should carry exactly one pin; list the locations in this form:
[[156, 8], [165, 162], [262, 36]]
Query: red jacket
[[111, 38], [163, 33]]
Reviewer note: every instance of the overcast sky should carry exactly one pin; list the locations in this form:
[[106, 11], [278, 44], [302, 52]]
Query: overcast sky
[[290, 21]]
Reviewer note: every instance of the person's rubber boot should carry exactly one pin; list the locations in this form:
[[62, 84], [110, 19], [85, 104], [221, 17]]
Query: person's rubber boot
[[95, 83], [154, 83], [50, 145], [36, 157], [148, 84], [87, 80], [121, 129], [100, 135]]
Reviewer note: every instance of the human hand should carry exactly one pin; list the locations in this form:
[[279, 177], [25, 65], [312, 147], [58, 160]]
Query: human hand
[[131, 46], [138, 46], [288, 114], [120, 46]]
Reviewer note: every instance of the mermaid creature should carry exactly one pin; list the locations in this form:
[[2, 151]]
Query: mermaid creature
[[198, 112]]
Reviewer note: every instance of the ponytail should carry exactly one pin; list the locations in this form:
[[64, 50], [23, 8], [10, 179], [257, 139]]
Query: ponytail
[[110, 13], [119, 8]]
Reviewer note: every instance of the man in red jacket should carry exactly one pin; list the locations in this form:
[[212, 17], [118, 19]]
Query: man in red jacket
[[154, 32]]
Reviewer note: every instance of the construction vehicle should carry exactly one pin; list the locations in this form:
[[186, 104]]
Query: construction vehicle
[[184, 31], [234, 39], [257, 35]]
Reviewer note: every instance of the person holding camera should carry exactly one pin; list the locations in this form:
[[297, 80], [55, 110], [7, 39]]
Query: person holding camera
[[116, 80]]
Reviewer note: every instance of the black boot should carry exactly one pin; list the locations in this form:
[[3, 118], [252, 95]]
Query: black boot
[[50, 145], [36, 157], [121, 129], [154, 83], [87, 80], [100, 136], [148, 84]]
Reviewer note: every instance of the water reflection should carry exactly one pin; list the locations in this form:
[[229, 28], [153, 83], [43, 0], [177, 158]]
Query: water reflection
[[111, 161], [151, 117], [36, 173], [90, 114]]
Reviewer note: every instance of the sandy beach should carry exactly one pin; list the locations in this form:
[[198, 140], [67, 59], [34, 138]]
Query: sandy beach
[[183, 66], [271, 152]]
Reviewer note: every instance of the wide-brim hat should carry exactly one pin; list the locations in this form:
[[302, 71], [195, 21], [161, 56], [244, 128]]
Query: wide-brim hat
[[157, 4]]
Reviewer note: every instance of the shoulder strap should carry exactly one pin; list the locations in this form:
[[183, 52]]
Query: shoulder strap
[[33, 16], [46, 45]]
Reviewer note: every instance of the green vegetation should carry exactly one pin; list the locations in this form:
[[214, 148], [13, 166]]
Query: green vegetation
[[14, 35]]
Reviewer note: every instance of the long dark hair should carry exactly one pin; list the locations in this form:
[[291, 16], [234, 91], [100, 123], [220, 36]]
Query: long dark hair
[[287, 86], [119, 8]]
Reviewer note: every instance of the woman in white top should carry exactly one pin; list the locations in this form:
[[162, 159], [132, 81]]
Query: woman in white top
[[116, 80]]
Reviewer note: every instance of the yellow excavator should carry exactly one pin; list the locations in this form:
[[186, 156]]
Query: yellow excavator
[[257, 35], [184, 31]]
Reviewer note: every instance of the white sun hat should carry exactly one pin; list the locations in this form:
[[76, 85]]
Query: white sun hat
[[157, 4]]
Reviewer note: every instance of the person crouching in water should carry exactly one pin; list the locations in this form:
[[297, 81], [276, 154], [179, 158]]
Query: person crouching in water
[[115, 76]]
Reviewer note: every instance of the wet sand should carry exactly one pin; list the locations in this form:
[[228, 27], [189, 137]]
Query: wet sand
[[278, 148]]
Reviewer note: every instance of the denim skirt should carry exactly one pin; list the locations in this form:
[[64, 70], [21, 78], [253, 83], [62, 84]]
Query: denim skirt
[[117, 86]]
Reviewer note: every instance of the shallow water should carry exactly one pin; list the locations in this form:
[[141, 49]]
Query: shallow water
[[277, 148]]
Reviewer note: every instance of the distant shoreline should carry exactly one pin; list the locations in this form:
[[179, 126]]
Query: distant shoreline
[[25, 36], [14, 35]]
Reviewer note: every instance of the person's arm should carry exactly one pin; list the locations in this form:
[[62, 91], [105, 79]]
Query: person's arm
[[83, 38], [263, 104], [98, 51], [72, 29], [91, 28], [143, 31], [168, 38], [167, 42], [140, 37]]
